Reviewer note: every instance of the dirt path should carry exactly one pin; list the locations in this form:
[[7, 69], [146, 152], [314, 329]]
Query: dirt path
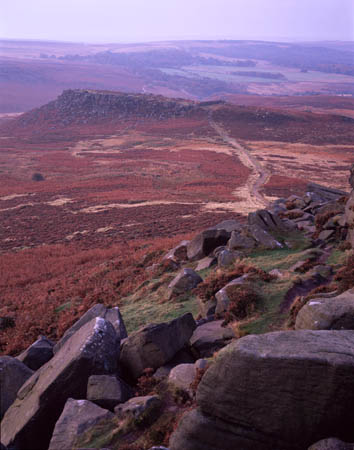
[[259, 175]]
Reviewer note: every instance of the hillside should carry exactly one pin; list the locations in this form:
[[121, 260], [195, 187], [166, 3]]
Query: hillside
[[275, 293]]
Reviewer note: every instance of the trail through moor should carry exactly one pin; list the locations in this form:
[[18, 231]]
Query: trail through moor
[[259, 176]]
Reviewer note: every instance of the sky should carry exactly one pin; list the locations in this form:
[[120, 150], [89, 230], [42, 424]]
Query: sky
[[152, 20]]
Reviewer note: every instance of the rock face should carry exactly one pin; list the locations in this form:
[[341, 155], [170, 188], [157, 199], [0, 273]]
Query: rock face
[[185, 281], [13, 374], [156, 344], [335, 313], [282, 390], [349, 210], [77, 417], [38, 353], [29, 422], [113, 315], [107, 391]]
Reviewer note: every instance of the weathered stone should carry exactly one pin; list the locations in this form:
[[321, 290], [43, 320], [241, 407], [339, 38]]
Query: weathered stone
[[205, 242], [335, 313], [239, 240], [331, 444], [179, 253], [227, 257], [92, 350], [77, 417], [281, 390], [182, 376], [222, 299], [38, 353], [112, 315], [206, 263], [13, 374], [156, 344], [185, 281], [325, 235], [265, 220], [210, 337], [263, 238], [107, 391], [206, 308], [142, 410]]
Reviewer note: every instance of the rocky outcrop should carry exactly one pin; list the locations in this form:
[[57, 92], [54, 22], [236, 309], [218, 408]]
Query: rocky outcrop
[[83, 106], [13, 374], [281, 390], [29, 422], [205, 242], [77, 417], [335, 313], [156, 344], [37, 354], [112, 315]]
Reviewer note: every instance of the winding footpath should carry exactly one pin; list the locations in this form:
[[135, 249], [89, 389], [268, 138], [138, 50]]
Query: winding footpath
[[259, 175]]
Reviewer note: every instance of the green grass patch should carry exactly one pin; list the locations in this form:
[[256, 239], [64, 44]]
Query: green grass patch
[[63, 307]]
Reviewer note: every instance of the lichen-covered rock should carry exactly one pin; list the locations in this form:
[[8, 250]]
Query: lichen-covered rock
[[13, 374], [335, 313], [142, 410], [281, 390], [77, 417], [30, 420], [156, 344], [112, 315]]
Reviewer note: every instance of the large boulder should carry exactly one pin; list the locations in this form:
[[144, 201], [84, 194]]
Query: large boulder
[[37, 354], [239, 241], [13, 374], [112, 315], [266, 220], [156, 344], [181, 377], [29, 422], [280, 391], [77, 417], [185, 281], [205, 242], [335, 313], [178, 253], [107, 391]]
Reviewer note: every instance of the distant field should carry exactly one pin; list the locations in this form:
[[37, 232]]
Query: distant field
[[32, 73]]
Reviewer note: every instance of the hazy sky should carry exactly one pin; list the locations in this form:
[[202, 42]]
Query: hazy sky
[[147, 20]]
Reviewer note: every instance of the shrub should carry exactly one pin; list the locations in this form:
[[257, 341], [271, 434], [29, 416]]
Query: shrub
[[37, 177], [243, 302]]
